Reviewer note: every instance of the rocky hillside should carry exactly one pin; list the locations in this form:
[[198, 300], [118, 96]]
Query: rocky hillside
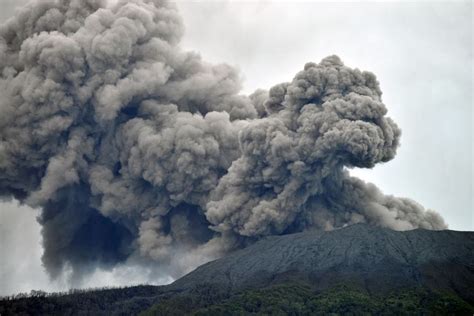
[[354, 270], [377, 259]]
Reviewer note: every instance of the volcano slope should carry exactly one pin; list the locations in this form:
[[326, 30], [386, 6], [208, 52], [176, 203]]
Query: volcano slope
[[353, 270], [374, 258]]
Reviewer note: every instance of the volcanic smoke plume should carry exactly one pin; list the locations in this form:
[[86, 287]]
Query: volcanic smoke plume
[[134, 148]]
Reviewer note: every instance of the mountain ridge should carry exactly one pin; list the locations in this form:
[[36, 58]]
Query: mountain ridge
[[355, 269], [359, 251]]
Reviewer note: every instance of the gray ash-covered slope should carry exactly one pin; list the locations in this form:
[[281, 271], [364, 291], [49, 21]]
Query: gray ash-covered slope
[[381, 272], [376, 258]]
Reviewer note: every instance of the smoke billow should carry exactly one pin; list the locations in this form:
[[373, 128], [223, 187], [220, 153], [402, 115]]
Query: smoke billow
[[134, 148]]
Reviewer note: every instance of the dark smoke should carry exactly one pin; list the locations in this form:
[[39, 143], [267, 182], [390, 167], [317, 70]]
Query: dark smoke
[[134, 148]]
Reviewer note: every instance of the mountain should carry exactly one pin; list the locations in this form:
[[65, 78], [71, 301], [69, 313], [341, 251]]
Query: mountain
[[357, 269], [375, 258]]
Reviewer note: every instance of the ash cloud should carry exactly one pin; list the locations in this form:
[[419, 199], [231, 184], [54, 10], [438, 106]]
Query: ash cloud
[[138, 150]]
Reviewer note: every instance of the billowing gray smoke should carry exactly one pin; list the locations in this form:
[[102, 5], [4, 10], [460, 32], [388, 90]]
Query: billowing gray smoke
[[135, 148]]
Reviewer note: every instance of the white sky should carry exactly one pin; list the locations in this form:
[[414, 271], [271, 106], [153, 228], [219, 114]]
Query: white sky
[[421, 52]]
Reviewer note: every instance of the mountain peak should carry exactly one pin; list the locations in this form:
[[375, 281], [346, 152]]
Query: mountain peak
[[361, 269], [379, 259]]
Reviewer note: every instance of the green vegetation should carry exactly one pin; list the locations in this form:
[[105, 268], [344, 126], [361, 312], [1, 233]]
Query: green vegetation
[[185, 304], [283, 299], [300, 299], [106, 301]]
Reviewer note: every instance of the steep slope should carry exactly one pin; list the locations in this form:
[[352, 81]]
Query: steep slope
[[378, 259]]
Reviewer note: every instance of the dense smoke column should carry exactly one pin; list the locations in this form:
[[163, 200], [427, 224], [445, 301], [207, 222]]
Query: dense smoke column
[[110, 128], [135, 148], [291, 173]]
